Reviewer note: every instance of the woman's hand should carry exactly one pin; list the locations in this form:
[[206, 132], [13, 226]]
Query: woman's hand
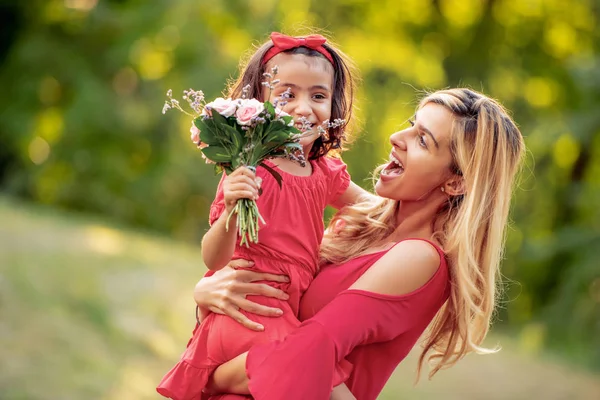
[[225, 293], [240, 184]]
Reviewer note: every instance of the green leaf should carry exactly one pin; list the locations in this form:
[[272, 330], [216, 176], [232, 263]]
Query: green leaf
[[218, 118], [257, 153], [217, 154], [275, 174], [207, 133], [279, 136], [270, 109], [236, 138], [288, 119], [258, 132]]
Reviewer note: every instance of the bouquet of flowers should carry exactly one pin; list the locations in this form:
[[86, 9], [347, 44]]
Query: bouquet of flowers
[[242, 132]]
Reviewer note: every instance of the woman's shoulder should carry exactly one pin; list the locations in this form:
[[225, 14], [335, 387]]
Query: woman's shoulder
[[410, 266]]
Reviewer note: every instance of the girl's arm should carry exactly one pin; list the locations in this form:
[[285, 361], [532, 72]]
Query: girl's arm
[[309, 354], [352, 195], [218, 244]]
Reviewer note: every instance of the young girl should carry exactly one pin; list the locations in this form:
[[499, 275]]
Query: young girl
[[320, 88]]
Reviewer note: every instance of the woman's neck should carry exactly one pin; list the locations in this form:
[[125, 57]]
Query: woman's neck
[[415, 219]]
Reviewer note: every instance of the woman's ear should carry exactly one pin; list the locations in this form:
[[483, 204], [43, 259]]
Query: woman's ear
[[455, 186]]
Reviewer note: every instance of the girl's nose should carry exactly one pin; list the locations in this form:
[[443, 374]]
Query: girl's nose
[[302, 108]]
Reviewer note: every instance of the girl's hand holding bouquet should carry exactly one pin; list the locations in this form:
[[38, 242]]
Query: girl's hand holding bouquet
[[241, 184]]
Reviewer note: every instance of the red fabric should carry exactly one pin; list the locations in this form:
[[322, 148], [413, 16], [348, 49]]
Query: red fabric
[[283, 42], [373, 331], [288, 244]]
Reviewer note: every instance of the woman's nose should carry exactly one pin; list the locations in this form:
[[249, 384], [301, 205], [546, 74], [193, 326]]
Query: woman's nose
[[398, 139]]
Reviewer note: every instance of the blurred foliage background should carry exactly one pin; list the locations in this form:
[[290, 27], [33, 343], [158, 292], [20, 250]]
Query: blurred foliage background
[[83, 82]]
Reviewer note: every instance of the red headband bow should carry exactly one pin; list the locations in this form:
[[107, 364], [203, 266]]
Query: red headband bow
[[283, 42]]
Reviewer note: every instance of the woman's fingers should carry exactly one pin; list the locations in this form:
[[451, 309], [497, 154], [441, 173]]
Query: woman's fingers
[[262, 289], [259, 309], [232, 312], [253, 276], [264, 276], [240, 263]]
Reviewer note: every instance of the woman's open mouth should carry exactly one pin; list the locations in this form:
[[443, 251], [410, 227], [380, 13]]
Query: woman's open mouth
[[394, 168]]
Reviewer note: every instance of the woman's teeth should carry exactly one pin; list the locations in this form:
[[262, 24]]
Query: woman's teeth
[[394, 168]]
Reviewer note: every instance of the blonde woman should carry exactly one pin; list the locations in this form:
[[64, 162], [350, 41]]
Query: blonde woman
[[424, 255]]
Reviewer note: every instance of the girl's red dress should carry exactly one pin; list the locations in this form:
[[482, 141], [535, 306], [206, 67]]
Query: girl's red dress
[[288, 244], [373, 331]]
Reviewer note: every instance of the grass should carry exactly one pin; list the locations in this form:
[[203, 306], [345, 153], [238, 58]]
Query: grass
[[90, 310]]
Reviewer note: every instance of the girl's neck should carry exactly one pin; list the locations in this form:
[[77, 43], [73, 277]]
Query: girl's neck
[[292, 167]]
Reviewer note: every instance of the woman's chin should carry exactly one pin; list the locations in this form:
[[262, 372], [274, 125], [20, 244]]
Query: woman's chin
[[379, 189]]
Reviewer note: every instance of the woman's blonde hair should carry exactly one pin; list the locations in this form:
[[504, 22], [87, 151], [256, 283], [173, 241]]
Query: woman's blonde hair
[[487, 148]]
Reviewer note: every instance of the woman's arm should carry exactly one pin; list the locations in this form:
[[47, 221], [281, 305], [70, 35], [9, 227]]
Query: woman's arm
[[218, 244], [309, 354], [225, 291]]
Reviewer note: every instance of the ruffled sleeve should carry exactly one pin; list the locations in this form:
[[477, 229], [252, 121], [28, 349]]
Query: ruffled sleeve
[[308, 355], [338, 178], [218, 205]]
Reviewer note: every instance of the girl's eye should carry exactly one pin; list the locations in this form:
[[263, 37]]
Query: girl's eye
[[320, 96], [422, 141]]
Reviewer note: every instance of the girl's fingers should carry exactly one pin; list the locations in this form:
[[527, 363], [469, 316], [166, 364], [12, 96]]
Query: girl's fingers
[[241, 186], [245, 181], [243, 171], [244, 194], [259, 309]]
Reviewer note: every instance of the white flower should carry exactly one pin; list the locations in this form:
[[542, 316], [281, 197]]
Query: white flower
[[280, 113], [225, 107]]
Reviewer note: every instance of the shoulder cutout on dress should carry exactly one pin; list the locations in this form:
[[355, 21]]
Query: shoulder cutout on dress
[[405, 268]]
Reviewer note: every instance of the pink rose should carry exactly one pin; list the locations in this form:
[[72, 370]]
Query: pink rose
[[225, 107], [195, 134], [247, 110]]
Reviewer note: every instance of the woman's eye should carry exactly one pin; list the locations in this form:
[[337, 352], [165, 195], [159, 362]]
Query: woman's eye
[[422, 141], [319, 96]]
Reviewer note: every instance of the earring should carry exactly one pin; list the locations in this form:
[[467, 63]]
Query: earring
[[443, 190]]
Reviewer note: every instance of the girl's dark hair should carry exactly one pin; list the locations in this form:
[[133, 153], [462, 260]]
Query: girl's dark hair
[[251, 74]]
